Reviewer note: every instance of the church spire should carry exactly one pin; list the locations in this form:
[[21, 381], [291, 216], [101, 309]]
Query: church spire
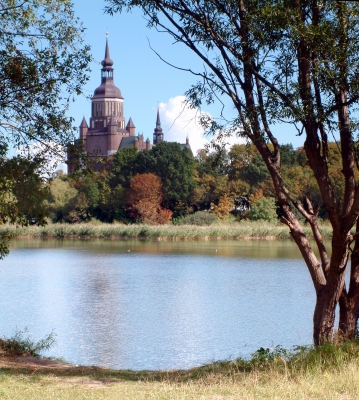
[[107, 63], [158, 133], [107, 89], [158, 122]]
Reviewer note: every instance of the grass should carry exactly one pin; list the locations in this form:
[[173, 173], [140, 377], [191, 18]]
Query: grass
[[327, 372], [243, 229]]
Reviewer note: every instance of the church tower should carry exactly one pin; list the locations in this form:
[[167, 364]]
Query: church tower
[[107, 131], [107, 111], [158, 133]]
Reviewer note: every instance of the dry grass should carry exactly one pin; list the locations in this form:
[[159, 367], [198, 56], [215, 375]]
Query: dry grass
[[245, 229], [328, 373], [337, 384]]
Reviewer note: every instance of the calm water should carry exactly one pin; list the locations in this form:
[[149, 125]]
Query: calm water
[[156, 305]]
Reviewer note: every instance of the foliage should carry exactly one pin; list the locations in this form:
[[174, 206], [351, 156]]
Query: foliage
[[22, 195], [224, 207], [255, 172], [122, 167], [264, 209], [59, 200], [21, 344], [43, 65], [145, 197], [215, 162], [22, 191], [174, 166], [112, 204]]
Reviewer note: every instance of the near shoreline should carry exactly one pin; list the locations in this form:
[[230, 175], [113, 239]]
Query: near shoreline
[[328, 372], [244, 230]]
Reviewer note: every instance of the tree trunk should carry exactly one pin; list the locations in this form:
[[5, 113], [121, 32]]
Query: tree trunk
[[349, 301], [324, 314], [348, 315]]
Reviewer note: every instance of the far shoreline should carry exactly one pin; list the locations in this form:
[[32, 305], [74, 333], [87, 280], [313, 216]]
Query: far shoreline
[[243, 230]]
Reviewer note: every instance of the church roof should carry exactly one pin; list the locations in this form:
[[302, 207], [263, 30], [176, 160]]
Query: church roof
[[127, 142], [107, 89], [83, 123], [130, 124]]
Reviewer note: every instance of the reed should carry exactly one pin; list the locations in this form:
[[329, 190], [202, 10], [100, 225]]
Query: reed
[[243, 229]]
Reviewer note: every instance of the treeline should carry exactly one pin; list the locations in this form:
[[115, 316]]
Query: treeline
[[168, 183]]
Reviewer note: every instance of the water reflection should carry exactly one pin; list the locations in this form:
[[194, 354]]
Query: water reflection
[[160, 305]]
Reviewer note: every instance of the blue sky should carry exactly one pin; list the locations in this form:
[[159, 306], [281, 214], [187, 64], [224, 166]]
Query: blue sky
[[144, 80]]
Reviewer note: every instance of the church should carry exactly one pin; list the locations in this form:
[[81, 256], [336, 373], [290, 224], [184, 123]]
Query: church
[[107, 131]]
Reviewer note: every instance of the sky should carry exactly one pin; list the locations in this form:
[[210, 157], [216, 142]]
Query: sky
[[145, 81]]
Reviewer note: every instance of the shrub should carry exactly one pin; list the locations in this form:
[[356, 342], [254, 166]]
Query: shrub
[[198, 218], [264, 209], [21, 345]]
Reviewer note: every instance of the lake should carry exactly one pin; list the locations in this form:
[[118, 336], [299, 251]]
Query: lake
[[156, 305]]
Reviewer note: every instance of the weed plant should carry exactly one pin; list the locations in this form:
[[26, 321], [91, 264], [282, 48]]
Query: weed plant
[[21, 344], [200, 218]]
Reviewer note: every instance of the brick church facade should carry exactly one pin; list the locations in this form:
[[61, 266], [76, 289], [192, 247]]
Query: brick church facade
[[107, 131]]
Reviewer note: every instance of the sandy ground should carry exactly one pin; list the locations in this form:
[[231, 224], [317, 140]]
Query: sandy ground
[[31, 363]]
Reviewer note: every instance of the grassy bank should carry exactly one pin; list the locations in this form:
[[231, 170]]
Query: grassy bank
[[245, 229], [330, 372]]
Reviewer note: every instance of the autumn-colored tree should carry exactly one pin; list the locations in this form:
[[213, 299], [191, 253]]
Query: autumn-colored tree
[[224, 207], [144, 198]]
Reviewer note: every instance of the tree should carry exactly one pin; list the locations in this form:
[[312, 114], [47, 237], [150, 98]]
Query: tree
[[145, 197], [294, 62], [22, 195], [224, 207], [59, 199], [263, 209], [122, 167], [43, 66], [174, 165]]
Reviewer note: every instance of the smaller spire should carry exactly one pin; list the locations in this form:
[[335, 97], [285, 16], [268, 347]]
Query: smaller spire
[[158, 121], [130, 124], [148, 140], [158, 133], [83, 123]]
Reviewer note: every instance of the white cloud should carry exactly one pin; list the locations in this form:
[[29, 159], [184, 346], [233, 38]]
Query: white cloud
[[179, 120], [53, 154]]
